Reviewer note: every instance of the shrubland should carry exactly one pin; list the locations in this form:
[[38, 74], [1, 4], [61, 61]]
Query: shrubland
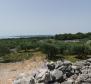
[[62, 46]]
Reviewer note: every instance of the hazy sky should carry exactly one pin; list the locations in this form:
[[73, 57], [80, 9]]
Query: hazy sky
[[30, 17]]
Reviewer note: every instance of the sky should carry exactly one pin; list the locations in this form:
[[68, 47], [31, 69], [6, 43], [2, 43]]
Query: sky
[[44, 17]]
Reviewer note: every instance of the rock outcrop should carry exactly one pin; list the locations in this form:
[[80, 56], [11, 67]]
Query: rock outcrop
[[60, 72]]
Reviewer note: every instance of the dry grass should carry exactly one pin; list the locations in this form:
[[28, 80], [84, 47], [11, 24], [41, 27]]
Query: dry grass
[[8, 71]]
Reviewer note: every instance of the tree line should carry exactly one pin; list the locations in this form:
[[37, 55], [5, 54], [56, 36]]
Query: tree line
[[69, 36]]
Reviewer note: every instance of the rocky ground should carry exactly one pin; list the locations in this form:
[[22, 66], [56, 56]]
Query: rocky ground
[[59, 72]]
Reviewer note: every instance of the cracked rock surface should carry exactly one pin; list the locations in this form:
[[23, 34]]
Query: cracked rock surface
[[59, 72]]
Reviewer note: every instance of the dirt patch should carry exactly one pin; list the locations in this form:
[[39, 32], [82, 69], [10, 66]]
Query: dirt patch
[[9, 71]]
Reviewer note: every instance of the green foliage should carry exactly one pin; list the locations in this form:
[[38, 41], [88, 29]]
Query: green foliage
[[82, 51], [69, 36], [50, 49], [4, 50], [53, 47], [88, 44]]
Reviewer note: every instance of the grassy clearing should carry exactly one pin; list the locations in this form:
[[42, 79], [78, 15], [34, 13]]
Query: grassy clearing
[[21, 56], [14, 57], [71, 58]]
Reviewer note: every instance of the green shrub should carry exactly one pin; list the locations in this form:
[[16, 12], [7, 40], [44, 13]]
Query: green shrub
[[4, 50]]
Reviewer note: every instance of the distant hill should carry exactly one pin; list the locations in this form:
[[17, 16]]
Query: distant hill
[[26, 36]]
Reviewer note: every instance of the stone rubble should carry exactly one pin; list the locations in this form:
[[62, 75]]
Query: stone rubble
[[59, 72]]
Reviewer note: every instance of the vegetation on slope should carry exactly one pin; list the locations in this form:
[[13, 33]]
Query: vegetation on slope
[[12, 50]]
